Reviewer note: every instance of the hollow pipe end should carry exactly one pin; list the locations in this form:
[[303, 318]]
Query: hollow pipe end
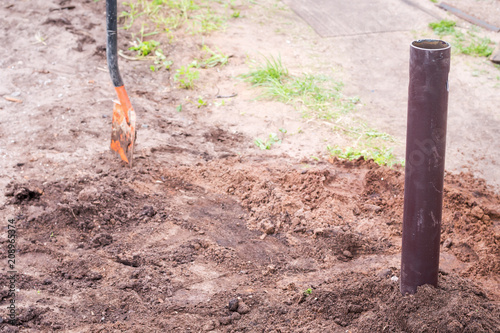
[[430, 44]]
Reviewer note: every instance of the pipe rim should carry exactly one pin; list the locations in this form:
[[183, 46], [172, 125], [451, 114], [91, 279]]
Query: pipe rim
[[430, 44]]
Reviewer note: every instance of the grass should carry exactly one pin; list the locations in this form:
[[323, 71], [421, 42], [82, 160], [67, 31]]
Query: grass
[[186, 76], [215, 58], [266, 144], [466, 43], [380, 155], [316, 95], [166, 16], [144, 48]]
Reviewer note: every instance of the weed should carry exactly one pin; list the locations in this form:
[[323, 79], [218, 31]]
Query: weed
[[206, 22], [40, 38], [216, 58], [179, 108], [235, 14], [144, 48], [479, 47], [201, 102], [315, 95], [161, 59], [380, 155], [267, 143], [443, 27], [308, 291], [186, 77]]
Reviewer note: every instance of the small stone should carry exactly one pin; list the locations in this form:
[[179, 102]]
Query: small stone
[[267, 227], [355, 308], [225, 320], [486, 219], [347, 254], [243, 308], [233, 304], [15, 94], [454, 326], [477, 212], [210, 326], [356, 210], [447, 243], [235, 316], [394, 278], [385, 273], [271, 268], [372, 208], [88, 194], [148, 211]]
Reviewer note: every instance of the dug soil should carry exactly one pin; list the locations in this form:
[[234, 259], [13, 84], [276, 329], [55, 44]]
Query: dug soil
[[206, 233]]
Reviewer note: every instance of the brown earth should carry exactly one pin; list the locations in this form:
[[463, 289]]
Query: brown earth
[[205, 232]]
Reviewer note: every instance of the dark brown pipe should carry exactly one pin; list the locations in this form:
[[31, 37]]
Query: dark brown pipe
[[424, 171]]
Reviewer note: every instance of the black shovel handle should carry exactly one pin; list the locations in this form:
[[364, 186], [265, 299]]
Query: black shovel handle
[[111, 42]]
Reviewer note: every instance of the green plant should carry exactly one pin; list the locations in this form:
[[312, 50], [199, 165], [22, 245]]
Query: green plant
[[206, 22], [215, 58], [315, 95], [186, 77], [380, 155], [161, 59], [308, 291], [235, 14], [144, 48], [267, 143], [479, 47], [443, 27], [201, 102]]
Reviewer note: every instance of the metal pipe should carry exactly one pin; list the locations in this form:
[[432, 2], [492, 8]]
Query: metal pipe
[[424, 167]]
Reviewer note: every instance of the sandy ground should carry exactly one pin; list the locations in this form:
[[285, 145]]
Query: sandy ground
[[206, 232]]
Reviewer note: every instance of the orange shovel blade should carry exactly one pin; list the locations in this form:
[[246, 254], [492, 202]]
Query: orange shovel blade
[[123, 127]]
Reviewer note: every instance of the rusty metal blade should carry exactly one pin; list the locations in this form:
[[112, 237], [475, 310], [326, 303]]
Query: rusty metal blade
[[123, 133]]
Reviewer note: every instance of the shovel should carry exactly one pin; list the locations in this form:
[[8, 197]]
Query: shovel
[[123, 125]]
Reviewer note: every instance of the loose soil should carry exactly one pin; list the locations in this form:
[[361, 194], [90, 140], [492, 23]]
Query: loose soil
[[206, 232]]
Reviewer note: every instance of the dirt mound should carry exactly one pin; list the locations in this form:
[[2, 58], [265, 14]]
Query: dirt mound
[[303, 246]]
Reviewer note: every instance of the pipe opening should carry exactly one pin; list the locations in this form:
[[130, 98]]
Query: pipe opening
[[430, 44]]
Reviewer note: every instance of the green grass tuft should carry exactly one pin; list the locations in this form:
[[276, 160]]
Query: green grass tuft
[[316, 95]]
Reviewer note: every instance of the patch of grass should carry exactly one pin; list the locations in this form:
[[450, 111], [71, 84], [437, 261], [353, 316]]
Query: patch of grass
[[267, 143], [468, 44], [479, 47], [186, 76], [380, 155], [316, 95], [169, 15], [443, 27]]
